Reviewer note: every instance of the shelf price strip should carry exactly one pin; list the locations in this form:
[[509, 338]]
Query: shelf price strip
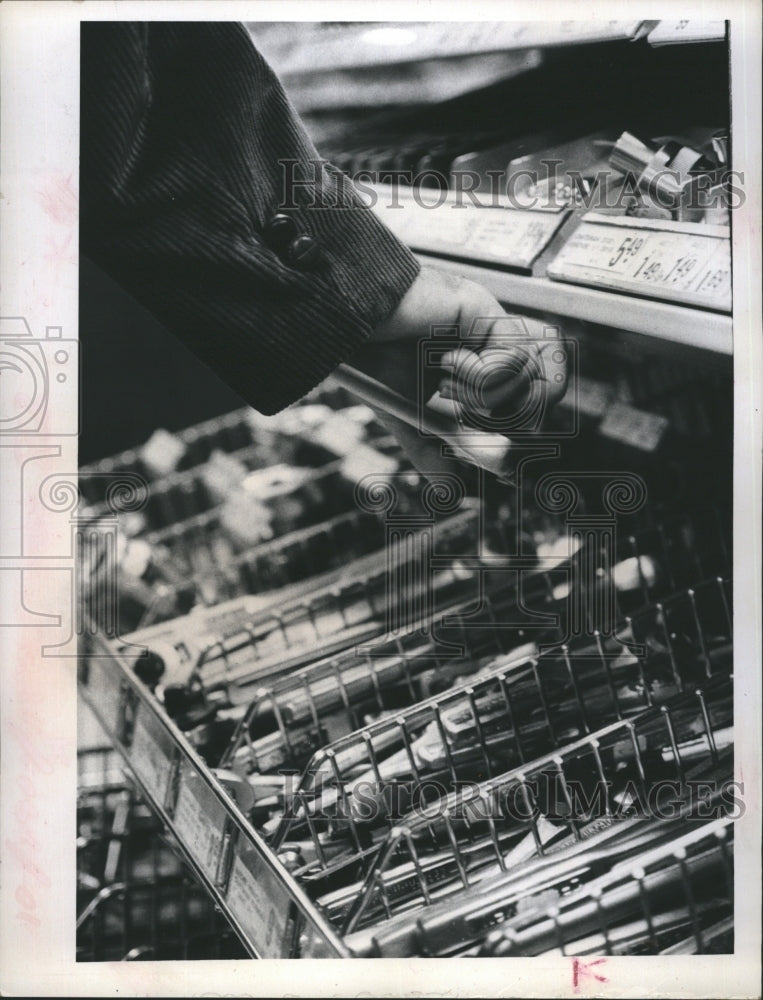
[[680, 262], [504, 236]]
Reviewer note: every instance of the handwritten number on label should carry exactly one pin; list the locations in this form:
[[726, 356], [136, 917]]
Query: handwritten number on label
[[628, 248]]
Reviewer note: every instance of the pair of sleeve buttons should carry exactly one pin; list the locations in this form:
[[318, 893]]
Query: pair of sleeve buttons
[[301, 252]]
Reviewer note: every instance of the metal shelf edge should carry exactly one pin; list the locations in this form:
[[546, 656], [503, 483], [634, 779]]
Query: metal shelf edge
[[246, 831], [661, 320]]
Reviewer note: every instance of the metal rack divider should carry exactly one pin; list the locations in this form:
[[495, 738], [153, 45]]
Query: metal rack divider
[[265, 905]]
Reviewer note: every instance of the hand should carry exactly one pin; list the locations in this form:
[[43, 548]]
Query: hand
[[504, 366]]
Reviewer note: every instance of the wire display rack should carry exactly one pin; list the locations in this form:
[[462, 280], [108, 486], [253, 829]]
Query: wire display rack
[[208, 531], [502, 716], [347, 685], [675, 898], [136, 898], [224, 655], [644, 887], [541, 807], [272, 820]]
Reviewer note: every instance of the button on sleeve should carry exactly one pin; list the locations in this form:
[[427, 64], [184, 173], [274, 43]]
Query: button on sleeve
[[303, 253], [279, 232]]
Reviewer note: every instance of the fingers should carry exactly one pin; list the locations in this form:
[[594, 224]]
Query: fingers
[[506, 375], [494, 377], [506, 363]]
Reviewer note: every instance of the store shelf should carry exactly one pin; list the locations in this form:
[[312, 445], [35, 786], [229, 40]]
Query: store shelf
[[311, 48], [696, 328], [294, 912], [224, 851], [509, 645]]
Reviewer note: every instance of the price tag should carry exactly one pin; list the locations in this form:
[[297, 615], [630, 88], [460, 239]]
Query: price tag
[[589, 396], [636, 428], [260, 903], [199, 820], [672, 32], [151, 754], [509, 236], [682, 262]]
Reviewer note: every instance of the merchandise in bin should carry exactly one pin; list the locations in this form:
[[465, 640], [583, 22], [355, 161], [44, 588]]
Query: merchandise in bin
[[693, 637], [136, 899], [676, 898], [645, 887], [689, 732], [511, 711], [282, 668], [538, 810], [169, 452], [179, 489], [197, 538], [660, 559], [234, 646]]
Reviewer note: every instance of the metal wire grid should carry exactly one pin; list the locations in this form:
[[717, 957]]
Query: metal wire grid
[[285, 719], [495, 720], [136, 899], [672, 899], [311, 621], [646, 886], [539, 809]]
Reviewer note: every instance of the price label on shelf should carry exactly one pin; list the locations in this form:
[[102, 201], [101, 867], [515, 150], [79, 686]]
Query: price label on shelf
[[199, 820], [151, 754], [633, 427], [690, 30], [682, 262], [259, 902], [589, 396], [512, 237]]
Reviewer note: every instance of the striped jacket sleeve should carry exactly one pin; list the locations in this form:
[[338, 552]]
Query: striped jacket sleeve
[[189, 148]]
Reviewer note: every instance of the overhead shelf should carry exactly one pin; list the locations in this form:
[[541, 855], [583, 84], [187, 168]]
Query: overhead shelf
[[697, 328], [309, 48]]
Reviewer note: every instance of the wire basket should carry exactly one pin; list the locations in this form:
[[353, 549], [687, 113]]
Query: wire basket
[[674, 898], [136, 899], [538, 810], [645, 887], [504, 716], [312, 617], [281, 726]]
